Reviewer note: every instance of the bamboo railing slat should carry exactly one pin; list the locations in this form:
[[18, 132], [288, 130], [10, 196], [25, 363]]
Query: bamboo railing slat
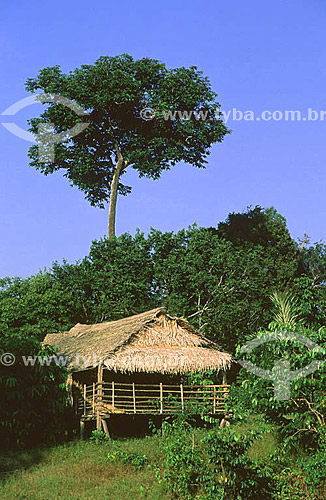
[[161, 397], [134, 396], [103, 398]]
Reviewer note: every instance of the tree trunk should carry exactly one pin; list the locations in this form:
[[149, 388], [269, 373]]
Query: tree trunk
[[113, 197]]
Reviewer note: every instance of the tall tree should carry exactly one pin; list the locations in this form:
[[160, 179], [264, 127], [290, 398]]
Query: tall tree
[[141, 115]]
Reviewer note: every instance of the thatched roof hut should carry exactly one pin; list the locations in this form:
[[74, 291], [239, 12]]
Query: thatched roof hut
[[151, 342], [136, 365]]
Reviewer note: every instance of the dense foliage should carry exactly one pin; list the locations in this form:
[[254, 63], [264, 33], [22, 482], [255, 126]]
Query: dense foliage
[[233, 464], [220, 278], [33, 397], [302, 414], [217, 467]]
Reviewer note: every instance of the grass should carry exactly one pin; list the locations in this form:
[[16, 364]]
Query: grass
[[81, 470], [261, 447]]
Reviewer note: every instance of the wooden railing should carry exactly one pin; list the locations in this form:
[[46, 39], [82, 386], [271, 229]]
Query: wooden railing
[[105, 398]]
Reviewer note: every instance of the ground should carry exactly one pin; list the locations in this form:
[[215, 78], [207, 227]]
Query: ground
[[81, 470]]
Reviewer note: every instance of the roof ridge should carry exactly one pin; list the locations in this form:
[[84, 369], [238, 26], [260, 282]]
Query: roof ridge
[[101, 325], [116, 340]]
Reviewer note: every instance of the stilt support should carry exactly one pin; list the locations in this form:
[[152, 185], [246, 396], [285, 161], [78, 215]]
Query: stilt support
[[106, 428], [82, 429], [224, 423], [99, 390]]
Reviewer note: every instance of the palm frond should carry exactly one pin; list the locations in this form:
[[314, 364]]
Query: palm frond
[[286, 312]]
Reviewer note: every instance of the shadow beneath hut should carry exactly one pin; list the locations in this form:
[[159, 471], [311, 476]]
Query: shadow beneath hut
[[137, 426], [15, 458], [126, 426], [14, 461]]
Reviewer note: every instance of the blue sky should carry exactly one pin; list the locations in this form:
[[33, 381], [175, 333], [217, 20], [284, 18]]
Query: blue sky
[[259, 55]]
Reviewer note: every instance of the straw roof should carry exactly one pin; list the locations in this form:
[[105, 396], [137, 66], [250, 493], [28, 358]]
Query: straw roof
[[149, 342]]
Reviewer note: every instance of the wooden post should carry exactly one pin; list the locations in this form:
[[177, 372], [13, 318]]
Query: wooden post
[[106, 428], [93, 398], [214, 400], [225, 381], [134, 396], [225, 393], [161, 397], [224, 423], [113, 394], [69, 390], [82, 429], [99, 397], [76, 399], [181, 392], [84, 399]]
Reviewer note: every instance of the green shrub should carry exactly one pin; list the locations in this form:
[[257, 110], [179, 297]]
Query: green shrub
[[33, 398], [183, 464], [135, 459], [231, 473], [291, 484], [302, 417], [99, 436], [215, 467], [314, 468]]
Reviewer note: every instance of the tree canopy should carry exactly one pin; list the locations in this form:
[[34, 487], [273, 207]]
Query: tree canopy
[[117, 93], [220, 283]]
